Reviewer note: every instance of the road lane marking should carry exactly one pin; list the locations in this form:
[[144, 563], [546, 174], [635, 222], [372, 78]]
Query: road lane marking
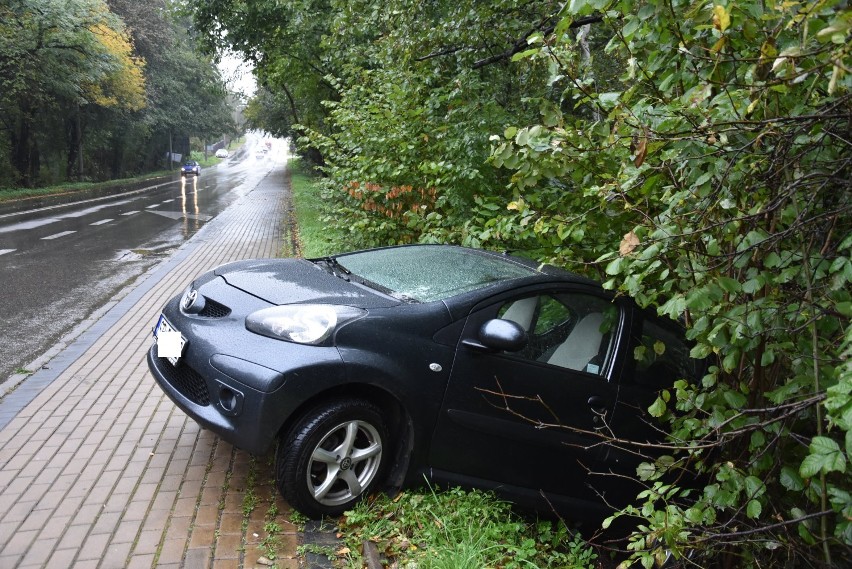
[[179, 215], [4, 251], [167, 201], [58, 235], [101, 222], [93, 209], [27, 224], [130, 212], [152, 206]]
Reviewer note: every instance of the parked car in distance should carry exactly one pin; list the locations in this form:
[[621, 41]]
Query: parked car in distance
[[379, 368], [222, 153], [190, 167]]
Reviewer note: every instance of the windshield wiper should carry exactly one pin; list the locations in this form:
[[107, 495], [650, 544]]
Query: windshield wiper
[[335, 268]]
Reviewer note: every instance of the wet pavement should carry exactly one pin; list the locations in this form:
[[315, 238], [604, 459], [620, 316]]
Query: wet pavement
[[64, 257], [99, 469]]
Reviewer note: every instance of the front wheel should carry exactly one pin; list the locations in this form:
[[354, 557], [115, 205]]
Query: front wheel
[[332, 457]]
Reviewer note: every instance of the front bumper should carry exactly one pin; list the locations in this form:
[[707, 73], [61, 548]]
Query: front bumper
[[240, 385], [219, 403]]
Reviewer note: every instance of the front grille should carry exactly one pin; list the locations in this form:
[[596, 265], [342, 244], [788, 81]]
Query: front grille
[[187, 381], [213, 309]]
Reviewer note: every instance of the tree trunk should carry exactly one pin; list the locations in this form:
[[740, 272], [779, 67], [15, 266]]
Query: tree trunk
[[74, 166], [25, 159]]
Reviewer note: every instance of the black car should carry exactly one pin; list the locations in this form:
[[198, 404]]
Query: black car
[[190, 167], [378, 368]]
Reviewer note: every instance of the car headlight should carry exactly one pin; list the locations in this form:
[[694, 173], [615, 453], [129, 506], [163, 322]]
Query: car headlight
[[301, 323]]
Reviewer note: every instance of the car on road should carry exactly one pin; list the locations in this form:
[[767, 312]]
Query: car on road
[[378, 369], [190, 167], [222, 153]]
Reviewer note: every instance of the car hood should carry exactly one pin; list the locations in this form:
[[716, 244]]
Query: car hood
[[297, 281]]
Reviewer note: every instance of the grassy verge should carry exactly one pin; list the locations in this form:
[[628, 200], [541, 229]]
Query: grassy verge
[[457, 529], [11, 194], [314, 234]]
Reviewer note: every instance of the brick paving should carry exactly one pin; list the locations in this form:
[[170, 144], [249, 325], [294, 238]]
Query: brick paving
[[99, 469]]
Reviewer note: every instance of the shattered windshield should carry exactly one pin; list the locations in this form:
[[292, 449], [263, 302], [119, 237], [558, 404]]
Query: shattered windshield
[[431, 272]]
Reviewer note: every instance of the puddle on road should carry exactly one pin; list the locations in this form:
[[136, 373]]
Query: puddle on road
[[129, 255]]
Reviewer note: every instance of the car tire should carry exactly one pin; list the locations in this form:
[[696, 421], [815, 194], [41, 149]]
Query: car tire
[[332, 457]]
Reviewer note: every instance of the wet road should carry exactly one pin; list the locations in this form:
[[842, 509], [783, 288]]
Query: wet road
[[59, 264]]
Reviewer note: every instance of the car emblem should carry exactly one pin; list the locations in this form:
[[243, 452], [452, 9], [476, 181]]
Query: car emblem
[[189, 299], [346, 463]]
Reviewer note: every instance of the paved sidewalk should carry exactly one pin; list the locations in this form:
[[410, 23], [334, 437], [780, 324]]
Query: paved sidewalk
[[99, 469]]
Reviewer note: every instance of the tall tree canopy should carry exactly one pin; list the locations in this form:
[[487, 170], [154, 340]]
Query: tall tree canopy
[[695, 155], [102, 80]]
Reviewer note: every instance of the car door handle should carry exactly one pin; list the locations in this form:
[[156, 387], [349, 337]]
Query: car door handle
[[598, 403]]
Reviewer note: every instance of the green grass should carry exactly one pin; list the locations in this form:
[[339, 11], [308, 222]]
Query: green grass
[[11, 194], [314, 234], [459, 529]]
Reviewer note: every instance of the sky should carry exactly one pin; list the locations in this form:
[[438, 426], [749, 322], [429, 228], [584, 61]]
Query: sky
[[238, 74]]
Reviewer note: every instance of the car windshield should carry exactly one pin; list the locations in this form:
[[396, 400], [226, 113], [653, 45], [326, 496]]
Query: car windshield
[[431, 272]]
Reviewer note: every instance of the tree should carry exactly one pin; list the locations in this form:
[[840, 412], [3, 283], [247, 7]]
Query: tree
[[185, 92], [55, 54], [86, 92]]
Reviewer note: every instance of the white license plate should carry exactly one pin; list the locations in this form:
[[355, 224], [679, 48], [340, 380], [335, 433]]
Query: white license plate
[[163, 325]]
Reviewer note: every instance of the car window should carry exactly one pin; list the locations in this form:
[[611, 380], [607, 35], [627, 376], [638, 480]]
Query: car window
[[662, 356], [552, 314], [427, 273], [569, 330]]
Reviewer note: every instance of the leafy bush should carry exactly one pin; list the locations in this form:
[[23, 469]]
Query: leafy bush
[[715, 187]]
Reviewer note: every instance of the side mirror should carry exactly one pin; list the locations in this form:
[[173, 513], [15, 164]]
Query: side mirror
[[499, 335]]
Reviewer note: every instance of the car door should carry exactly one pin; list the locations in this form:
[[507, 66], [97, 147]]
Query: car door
[[528, 419], [658, 356]]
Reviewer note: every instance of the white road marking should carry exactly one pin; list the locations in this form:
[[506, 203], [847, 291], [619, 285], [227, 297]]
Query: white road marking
[[101, 222], [179, 215], [130, 212], [167, 201], [4, 251], [28, 224], [58, 235], [155, 205]]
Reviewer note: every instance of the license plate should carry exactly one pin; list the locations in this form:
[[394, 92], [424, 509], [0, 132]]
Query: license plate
[[163, 325]]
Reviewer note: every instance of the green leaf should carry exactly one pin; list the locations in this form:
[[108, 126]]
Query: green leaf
[[772, 260], [754, 486], [609, 99], [735, 399], [753, 509], [614, 266], [825, 457], [729, 285], [526, 53], [646, 471], [658, 408], [791, 480]]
